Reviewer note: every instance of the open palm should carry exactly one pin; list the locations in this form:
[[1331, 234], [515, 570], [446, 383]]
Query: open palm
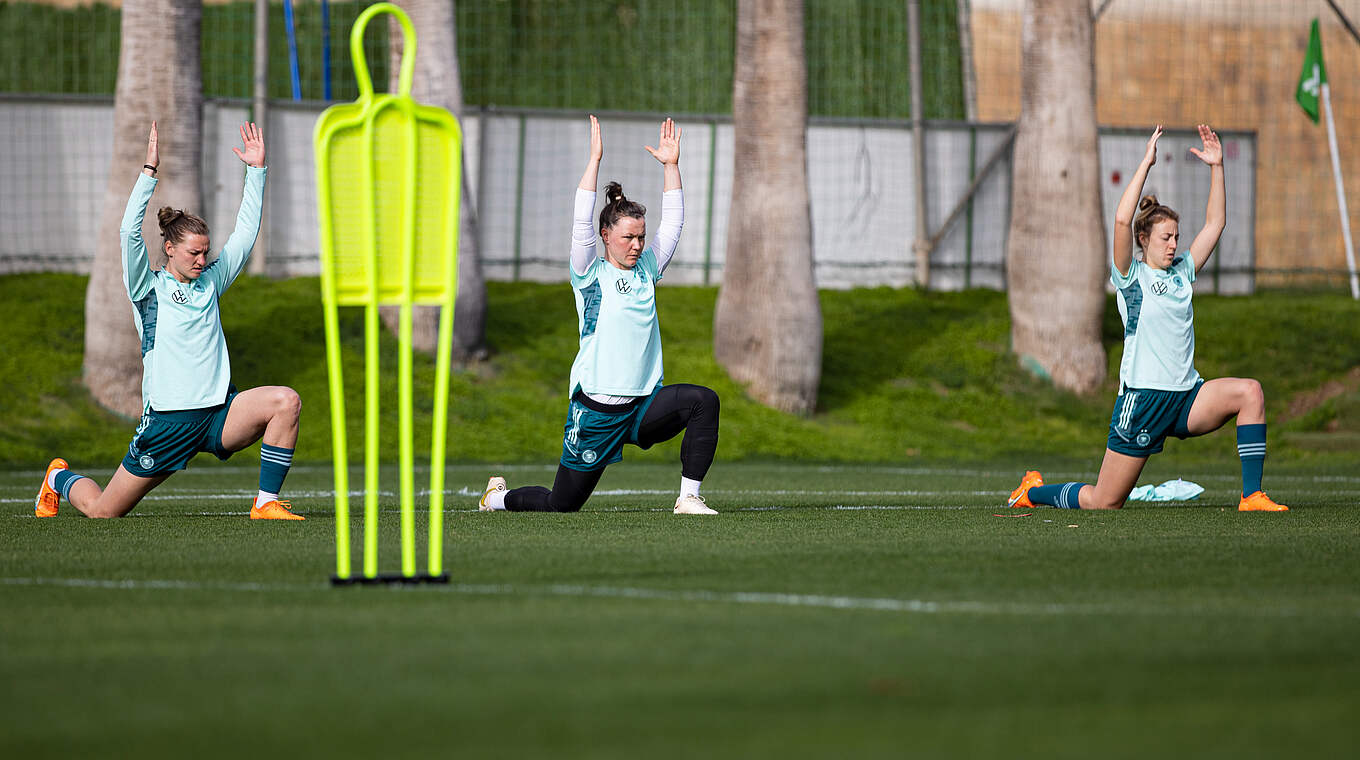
[[252, 150], [667, 149], [1212, 153]]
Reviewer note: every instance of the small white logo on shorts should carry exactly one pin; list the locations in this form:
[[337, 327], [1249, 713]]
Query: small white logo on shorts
[[146, 462], [588, 456], [1143, 439]]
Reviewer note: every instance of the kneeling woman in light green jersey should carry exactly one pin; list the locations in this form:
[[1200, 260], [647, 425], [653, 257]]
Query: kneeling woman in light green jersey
[[188, 402], [615, 390], [1160, 393]]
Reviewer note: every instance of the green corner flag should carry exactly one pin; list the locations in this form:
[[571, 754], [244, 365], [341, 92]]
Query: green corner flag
[[1313, 77]]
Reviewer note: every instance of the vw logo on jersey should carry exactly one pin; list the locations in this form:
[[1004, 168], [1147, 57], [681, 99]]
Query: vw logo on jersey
[[146, 462], [588, 456], [623, 287], [179, 297], [1159, 288]]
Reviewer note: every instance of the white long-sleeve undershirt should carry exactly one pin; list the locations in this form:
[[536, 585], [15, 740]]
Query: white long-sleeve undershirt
[[663, 246]]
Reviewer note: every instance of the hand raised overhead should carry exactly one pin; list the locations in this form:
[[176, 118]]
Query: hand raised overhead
[[1212, 153], [596, 142], [153, 153], [667, 149], [1150, 157], [252, 151]]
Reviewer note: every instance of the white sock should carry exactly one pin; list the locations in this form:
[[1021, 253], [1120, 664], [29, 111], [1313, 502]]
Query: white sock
[[265, 497], [690, 487], [52, 479], [496, 499]]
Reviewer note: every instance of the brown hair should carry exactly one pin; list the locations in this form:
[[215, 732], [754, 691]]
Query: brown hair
[[176, 223], [616, 206], [1149, 213]]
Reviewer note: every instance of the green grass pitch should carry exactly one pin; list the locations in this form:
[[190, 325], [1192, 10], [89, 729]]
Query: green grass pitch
[[830, 611]]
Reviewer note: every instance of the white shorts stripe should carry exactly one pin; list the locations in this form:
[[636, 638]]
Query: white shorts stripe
[[1126, 414]]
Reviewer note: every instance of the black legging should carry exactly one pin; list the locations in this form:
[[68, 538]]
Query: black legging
[[691, 408]]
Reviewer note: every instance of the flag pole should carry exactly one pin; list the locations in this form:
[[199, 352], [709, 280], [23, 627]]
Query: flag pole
[[1340, 190]]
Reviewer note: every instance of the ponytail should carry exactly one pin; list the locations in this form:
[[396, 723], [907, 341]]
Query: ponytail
[[177, 223], [1149, 213], [617, 206]]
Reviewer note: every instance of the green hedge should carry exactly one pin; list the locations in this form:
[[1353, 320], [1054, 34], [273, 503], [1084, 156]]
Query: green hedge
[[627, 55]]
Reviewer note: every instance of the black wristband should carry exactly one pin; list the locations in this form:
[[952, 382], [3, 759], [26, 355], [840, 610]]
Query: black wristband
[[149, 166]]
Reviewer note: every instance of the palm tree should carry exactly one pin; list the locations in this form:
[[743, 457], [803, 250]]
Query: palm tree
[[159, 79], [767, 330], [437, 83], [1056, 260]]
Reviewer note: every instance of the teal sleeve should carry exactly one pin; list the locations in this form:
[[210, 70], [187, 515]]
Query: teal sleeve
[[1188, 266], [1121, 281], [579, 281], [650, 265], [236, 252], [137, 275]]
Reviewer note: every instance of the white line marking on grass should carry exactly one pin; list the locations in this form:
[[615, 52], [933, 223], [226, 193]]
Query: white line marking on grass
[[135, 585], [763, 492], [778, 599], [356, 496]]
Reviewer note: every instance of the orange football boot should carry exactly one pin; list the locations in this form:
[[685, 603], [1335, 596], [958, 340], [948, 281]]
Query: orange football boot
[[48, 499], [274, 510], [1020, 496], [1259, 502]]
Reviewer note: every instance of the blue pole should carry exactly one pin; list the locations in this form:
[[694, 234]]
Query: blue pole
[[326, 49], [292, 49]]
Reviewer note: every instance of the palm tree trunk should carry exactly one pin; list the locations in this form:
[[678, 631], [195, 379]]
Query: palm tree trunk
[[1056, 259], [159, 78], [767, 328], [437, 83]]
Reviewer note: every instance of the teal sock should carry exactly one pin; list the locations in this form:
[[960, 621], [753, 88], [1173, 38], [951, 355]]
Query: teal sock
[[62, 480], [1251, 447], [1062, 495], [274, 465]]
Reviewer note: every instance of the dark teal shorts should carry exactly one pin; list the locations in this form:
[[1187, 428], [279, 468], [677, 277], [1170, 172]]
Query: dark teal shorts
[[166, 441], [595, 433], [1142, 419]]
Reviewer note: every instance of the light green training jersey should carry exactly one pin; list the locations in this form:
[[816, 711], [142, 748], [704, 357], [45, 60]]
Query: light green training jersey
[[184, 353], [620, 352], [1159, 325]]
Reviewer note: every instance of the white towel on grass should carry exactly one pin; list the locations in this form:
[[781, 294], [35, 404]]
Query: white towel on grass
[[1171, 490]]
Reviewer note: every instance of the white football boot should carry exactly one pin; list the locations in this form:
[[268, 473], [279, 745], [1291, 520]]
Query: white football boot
[[692, 504], [496, 483]]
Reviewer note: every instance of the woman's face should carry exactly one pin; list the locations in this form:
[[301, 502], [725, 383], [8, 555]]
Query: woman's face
[[185, 260], [624, 241], [1159, 248]]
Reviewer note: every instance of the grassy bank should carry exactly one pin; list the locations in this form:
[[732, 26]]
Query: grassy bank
[[907, 376]]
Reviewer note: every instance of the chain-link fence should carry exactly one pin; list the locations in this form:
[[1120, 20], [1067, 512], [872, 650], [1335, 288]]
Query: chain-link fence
[[1234, 64], [672, 56], [1231, 63]]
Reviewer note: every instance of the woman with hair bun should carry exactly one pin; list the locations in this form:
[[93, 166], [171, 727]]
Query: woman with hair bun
[[616, 391], [188, 402], [1160, 393]]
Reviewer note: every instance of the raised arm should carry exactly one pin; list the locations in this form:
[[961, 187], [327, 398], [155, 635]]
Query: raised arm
[[582, 225], [667, 151], [1128, 206], [236, 252], [1216, 213], [136, 261]]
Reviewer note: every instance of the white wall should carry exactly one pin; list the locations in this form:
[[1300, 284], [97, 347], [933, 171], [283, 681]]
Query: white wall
[[523, 168]]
